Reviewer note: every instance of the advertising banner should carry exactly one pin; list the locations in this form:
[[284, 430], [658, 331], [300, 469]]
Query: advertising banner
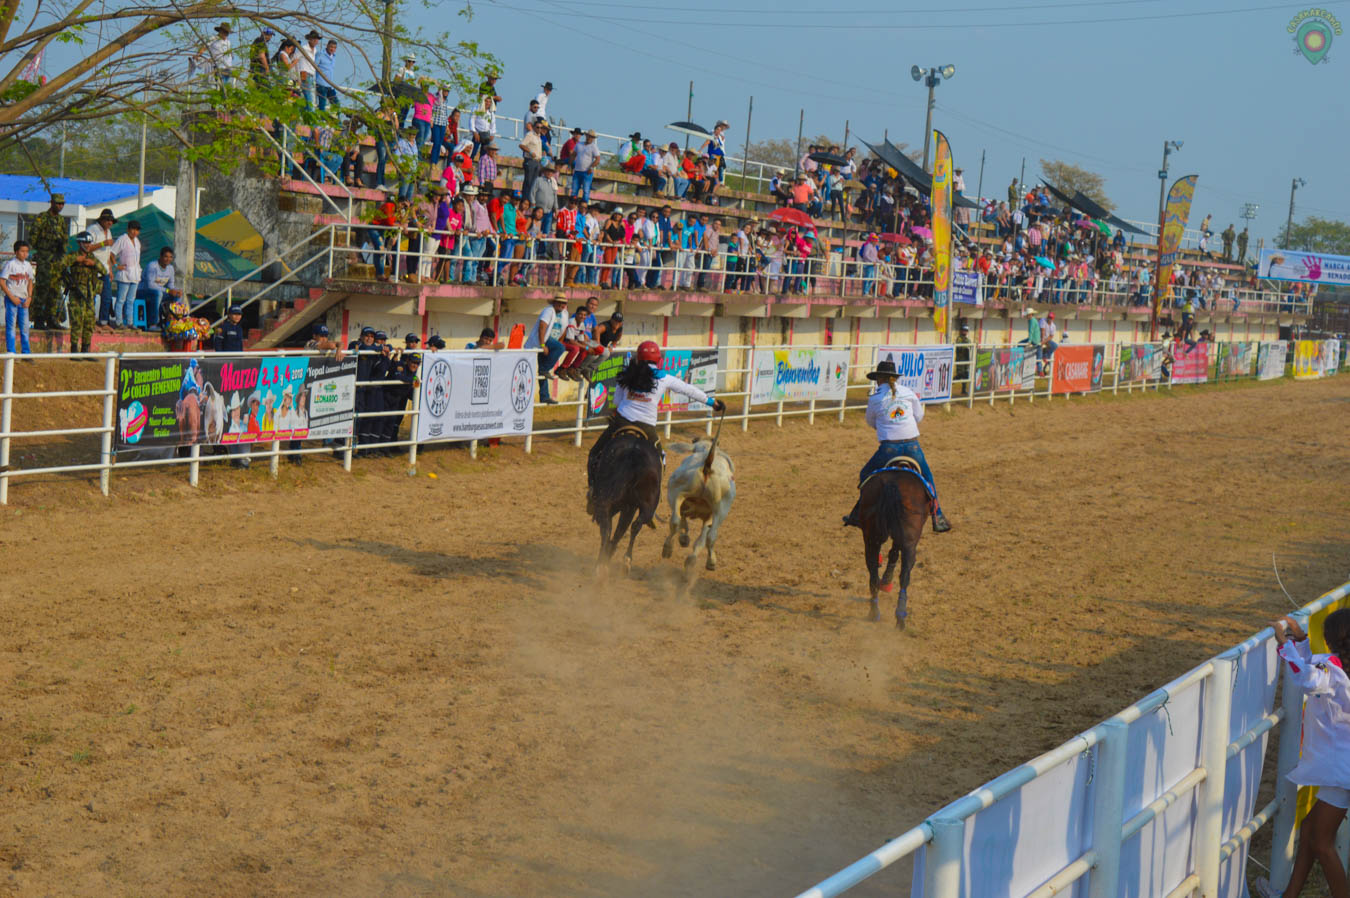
[[1309, 268], [1331, 357], [966, 287], [1307, 359], [212, 401], [1077, 369], [1190, 364], [794, 375], [927, 370], [1139, 362], [693, 366], [941, 202], [1270, 360], [1233, 360], [1005, 368], [1175, 213], [473, 395]]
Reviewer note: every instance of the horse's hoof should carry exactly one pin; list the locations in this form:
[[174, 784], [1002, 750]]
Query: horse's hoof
[[711, 565], [885, 587], [899, 623], [684, 540], [667, 551], [874, 616]]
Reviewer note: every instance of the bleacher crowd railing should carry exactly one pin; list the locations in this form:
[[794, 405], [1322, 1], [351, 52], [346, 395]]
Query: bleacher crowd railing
[[1169, 785], [980, 373]]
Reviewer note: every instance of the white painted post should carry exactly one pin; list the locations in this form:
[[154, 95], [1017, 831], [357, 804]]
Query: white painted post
[[473, 448], [5, 409], [412, 427], [581, 417], [942, 861], [1108, 809], [109, 416], [970, 378], [811, 413], [274, 466], [779, 419], [194, 467], [745, 411], [1291, 734], [347, 453], [1214, 761], [670, 414]]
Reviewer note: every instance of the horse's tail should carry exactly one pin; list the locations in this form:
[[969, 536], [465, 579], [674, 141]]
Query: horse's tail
[[891, 507], [623, 463]]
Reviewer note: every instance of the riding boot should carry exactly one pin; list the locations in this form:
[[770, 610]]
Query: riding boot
[[851, 519], [940, 522]]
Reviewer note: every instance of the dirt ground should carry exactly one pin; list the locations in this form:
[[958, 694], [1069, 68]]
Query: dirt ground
[[376, 684]]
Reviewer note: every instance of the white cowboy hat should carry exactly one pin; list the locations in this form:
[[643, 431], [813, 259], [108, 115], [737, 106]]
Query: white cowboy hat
[[288, 391], [234, 401]]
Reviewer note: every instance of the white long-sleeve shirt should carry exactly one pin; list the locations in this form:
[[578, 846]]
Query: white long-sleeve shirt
[[642, 407], [895, 416], [1326, 717]]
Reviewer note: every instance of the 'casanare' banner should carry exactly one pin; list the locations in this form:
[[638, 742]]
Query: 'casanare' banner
[[1190, 364], [224, 401], [927, 370], [473, 395], [1077, 369], [1139, 363], [1309, 268], [1005, 369], [941, 200], [794, 375], [1270, 360], [1175, 213]]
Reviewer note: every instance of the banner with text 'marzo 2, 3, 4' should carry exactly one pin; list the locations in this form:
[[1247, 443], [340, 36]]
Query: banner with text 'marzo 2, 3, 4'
[[469, 395], [224, 401]]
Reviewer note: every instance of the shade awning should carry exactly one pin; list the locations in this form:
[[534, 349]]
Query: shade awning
[[911, 171], [1092, 209]]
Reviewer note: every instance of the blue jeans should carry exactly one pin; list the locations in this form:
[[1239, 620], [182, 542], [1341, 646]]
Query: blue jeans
[[474, 251], [381, 160], [105, 302], [327, 94], [581, 181], [552, 352], [375, 240], [16, 321], [869, 271], [122, 304], [888, 450], [508, 250], [437, 139], [423, 131]]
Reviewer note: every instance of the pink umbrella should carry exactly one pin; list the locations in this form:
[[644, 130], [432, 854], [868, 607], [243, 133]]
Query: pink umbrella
[[926, 233]]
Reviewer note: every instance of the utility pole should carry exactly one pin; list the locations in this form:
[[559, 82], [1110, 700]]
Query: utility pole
[[932, 81], [979, 190], [62, 171], [1288, 223], [140, 179], [1168, 147], [796, 166], [745, 160], [689, 113]]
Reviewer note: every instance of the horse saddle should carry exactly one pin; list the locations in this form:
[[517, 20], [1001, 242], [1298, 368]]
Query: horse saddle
[[630, 430], [899, 463]]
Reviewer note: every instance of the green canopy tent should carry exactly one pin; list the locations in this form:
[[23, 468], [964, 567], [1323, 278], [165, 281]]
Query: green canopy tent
[[213, 260]]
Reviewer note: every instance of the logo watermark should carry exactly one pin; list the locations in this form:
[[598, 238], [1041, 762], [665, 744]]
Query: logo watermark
[[1313, 30]]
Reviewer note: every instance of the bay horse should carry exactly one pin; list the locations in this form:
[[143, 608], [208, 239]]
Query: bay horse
[[627, 483], [893, 504]]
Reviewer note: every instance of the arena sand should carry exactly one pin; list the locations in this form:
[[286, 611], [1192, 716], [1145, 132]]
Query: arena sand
[[372, 684]]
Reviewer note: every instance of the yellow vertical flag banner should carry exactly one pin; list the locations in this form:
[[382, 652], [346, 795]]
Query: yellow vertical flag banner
[[1175, 213], [941, 199]]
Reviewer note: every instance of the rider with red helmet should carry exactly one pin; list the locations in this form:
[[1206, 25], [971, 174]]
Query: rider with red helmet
[[639, 391]]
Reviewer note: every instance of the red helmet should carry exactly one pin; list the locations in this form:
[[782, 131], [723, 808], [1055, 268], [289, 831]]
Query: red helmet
[[648, 351]]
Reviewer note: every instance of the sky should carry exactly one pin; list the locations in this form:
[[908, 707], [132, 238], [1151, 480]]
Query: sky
[[1100, 83]]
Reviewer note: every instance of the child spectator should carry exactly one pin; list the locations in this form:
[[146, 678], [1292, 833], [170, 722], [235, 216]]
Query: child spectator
[[16, 279], [578, 343]]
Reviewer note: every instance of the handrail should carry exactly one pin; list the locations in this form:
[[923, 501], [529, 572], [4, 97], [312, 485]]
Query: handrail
[[228, 290], [288, 161]]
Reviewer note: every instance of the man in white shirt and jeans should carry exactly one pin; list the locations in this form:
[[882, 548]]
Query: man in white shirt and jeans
[[546, 337], [305, 67], [101, 231], [16, 279], [126, 253]]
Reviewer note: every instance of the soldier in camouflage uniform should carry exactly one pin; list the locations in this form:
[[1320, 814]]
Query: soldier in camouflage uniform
[[48, 235], [82, 276]]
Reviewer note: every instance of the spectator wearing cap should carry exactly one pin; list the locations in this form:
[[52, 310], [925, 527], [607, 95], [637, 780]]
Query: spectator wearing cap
[[435, 342], [403, 370], [487, 339], [369, 398], [82, 276], [568, 150], [101, 231], [126, 252], [583, 167], [546, 337], [631, 158], [229, 336], [405, 161], [867, 256], [320, 340], [259, 62], [158, 285], [715, 148]]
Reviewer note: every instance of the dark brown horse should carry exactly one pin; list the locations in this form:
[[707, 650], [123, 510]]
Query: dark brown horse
[[892, 505], [627, 483]]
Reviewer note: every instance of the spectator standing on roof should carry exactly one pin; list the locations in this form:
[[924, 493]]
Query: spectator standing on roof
[[484, 123], [583, 167], [408, 71], [259, 61], [631, 158], [532, 154], [715, 148], [542, 99], [217, 56], [441, 107]]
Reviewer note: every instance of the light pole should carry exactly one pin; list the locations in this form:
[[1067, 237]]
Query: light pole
[[1169, 147], [930, 77], [1289, 222]]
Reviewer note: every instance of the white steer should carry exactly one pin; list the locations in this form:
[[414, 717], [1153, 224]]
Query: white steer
[[702, 487]]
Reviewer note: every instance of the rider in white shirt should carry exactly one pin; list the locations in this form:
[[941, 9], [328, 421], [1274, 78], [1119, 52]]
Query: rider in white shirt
[[895, 411], [638, 396]]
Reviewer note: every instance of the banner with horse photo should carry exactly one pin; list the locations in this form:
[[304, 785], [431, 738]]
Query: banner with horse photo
[[1234, 360], [1190, 364], [1139, 363], [798, 375], [1270, 360], [927, 370], [693, 366], [214, 401], [1077, 369], [470, 395], [1005, 369]]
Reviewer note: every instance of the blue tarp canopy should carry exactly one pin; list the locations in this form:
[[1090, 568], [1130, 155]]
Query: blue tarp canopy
[[30, 189]]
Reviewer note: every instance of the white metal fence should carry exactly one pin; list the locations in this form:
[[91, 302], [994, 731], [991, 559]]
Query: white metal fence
[[1183, 782]]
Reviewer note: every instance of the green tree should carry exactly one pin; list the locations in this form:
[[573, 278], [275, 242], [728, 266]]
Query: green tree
[[1317, 235], [783, 153], [1070, 178]]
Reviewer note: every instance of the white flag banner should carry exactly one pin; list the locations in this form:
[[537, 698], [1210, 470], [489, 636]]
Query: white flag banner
[[469, 395]]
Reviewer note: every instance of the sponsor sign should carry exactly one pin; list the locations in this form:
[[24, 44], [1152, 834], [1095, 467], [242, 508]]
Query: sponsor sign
[[1331, 357], [470, 395], [1307, 359], [940, 201], [1077, 369], [697, 367], [213, 401], [927, 370], [1005, 369], [1307, 268], [1190, 364], [1233, 360], [1139, 363], [1270, 360], [966, 287], [795, 375]]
